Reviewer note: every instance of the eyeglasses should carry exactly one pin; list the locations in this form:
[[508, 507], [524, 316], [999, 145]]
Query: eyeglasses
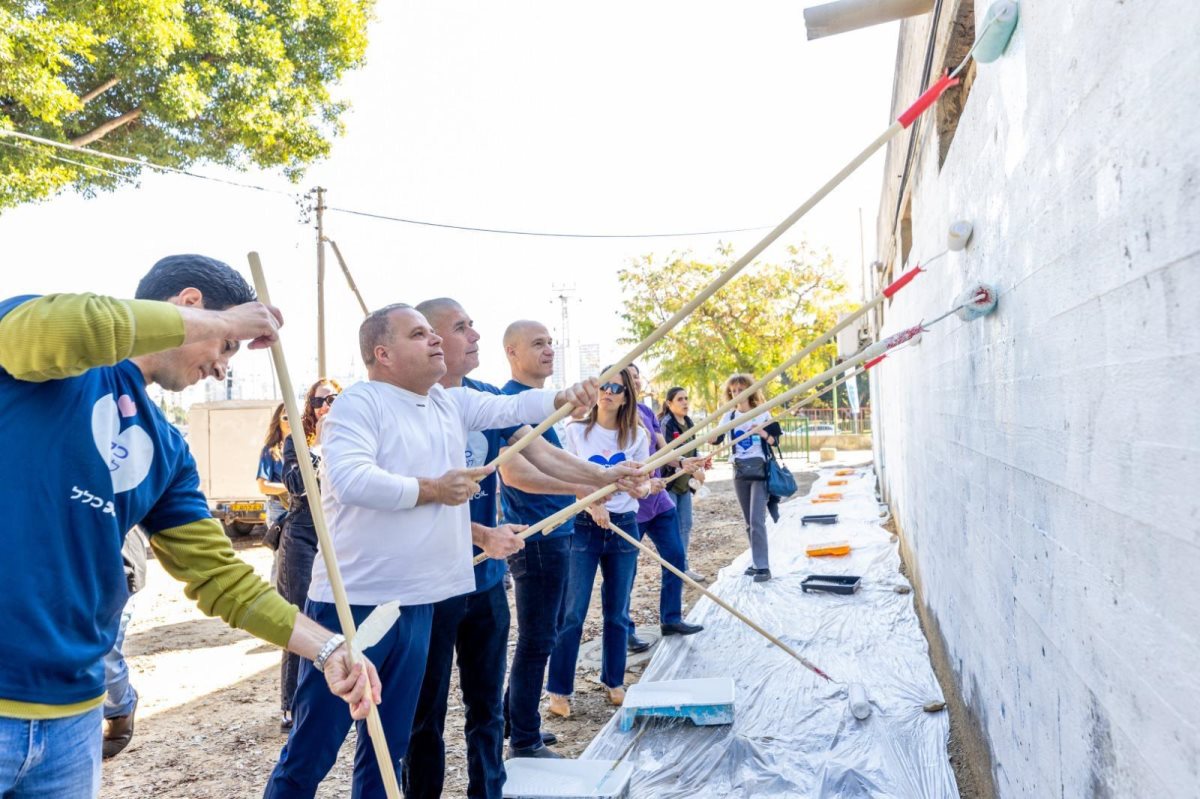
[[616, 389], [317, 402]]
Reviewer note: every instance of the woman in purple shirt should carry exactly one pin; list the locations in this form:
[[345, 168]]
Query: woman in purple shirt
[[658, 520]]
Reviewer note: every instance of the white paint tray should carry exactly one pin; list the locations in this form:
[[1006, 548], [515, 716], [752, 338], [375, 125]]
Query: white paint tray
[[704, 700], [538, 778]]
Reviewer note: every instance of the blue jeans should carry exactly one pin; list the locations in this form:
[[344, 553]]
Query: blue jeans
[[51, 759], [477, 626], [593, 547], [121, 697], [683, 506], [539, 581], [663, 530], [322, 719]]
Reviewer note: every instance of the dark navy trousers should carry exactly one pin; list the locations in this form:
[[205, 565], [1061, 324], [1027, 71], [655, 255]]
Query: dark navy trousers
[[476, 626], [322, 719]]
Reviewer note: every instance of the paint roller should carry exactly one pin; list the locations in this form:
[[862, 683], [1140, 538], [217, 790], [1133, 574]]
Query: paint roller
[[992, 35]]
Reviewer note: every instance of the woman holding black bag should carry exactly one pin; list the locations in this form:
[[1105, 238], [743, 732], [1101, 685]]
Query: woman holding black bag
[[750, 457]]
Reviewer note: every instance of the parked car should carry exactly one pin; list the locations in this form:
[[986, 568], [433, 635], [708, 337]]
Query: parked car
[[821, 429]]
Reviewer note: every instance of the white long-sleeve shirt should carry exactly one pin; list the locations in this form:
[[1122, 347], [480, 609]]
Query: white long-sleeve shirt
[[377, 440]]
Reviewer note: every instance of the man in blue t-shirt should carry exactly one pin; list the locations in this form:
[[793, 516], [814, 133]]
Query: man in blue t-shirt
[[539, 570], [74, 369], [476, 624]]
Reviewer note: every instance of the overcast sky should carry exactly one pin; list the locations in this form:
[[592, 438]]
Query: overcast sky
[[614, 118]]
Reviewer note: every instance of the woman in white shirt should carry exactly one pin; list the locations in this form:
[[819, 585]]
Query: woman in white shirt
[[611, 434], [749, 458]]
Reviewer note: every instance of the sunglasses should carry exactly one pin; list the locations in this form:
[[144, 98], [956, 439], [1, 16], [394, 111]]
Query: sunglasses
[[317, 402], [616, 389]]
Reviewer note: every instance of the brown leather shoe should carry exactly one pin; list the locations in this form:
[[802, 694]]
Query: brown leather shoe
[[118, 732]]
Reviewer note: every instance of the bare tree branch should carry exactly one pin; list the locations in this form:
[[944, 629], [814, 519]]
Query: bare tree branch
[[100, 131], [92, 94]]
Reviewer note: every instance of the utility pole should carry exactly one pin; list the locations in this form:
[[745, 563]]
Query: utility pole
[[321, 282], [563, 296]]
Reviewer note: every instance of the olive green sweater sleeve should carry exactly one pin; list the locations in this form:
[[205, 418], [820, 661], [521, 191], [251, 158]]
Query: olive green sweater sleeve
[[63, 335], [199, 554]]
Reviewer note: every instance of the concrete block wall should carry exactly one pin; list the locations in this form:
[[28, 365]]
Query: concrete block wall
[[1044, 462]]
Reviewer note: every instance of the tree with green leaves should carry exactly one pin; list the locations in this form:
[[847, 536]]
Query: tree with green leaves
[[758, 320], [233, 82]]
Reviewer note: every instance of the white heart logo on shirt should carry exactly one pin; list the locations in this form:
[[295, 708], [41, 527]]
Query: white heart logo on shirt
[[477, 449], [127, 454]]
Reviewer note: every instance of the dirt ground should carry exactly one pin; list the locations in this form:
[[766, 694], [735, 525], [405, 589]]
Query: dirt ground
[[208, 716]]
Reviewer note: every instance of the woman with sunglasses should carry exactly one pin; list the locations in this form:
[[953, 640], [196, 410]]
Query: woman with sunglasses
[[612, 433], [298, 546]]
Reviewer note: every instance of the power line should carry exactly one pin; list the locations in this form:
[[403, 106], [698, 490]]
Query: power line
[[350, 211], [541, 233]]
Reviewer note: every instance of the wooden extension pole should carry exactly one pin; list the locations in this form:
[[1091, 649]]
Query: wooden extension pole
[[313, 490], [663, 456], [712, 288], [720, 602]]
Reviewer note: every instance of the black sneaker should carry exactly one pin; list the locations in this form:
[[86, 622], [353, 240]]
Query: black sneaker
[[762, 575], [548, 738], [681, 628], [540, 750], [750, 571]]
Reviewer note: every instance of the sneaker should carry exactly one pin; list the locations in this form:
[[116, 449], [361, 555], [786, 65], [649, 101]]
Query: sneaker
[[750, 571], [617, 695], [118, 732], [549, 738], [560, 706], [540, 750], [697, 576], [681, 628], [762, 575]]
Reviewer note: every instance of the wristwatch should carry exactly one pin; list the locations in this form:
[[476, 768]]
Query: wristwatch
[[330, 647]]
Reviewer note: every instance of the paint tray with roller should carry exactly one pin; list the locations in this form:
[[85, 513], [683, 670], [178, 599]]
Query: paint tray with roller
[[543, 778], [831, 583], [705, 700]]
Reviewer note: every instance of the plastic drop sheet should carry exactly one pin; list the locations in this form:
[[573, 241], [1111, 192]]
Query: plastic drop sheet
[[793, 734]]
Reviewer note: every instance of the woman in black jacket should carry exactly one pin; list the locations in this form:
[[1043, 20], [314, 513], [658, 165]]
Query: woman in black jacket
[[298, 546], [676, 422], [749, 458]]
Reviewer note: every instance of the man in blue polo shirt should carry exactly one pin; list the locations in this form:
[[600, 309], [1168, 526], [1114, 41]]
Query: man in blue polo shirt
[[539, 570], [476, 625]]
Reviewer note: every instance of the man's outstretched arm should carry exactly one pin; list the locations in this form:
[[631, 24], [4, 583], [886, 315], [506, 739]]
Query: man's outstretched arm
[[63, 335]]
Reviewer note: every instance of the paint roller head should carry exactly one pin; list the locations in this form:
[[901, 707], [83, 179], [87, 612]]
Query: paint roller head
[[978, 300], [996, 30], [959, 235], [860, 706]]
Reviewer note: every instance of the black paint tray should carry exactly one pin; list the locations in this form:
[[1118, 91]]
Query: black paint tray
[[819, 518], [831, 583]]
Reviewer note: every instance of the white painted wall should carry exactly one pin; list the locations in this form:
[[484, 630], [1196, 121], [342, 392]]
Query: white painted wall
[[1044, 462]]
